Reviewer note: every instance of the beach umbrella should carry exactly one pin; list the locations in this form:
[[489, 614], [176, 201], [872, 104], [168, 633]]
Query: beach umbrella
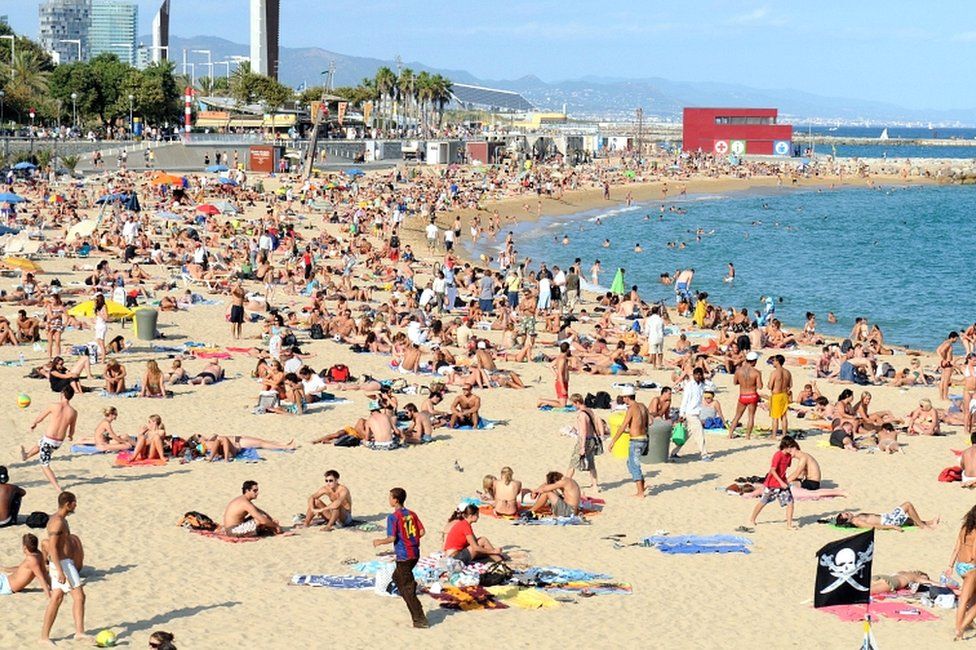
[[217, 168], [24, 165], [23, 264], [167, 179], [354, 172], [132, 203], [7, 230], [630, 173], [228, 181], [87, 310], [226, 207], [81, 229], [10, 197], [112, 198], [56, 198], [208, 209], [618, 283]]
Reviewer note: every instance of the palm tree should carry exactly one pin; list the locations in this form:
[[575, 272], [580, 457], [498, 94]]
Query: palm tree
[[385, 88], [406, 85], [28, 86], [441, 95], [423, 91], [206, 85]]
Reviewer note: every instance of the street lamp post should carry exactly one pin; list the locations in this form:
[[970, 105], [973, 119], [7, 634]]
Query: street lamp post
[[224, 63], [131, 97], [74, 111], [3, 130], [31, 114]]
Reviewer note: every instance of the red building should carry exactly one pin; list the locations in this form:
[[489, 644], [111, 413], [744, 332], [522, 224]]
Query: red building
[[738, 131]]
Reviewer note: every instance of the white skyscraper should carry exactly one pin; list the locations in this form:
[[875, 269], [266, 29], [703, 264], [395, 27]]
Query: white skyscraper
[[160, 33], [264, 37], [63, 29]]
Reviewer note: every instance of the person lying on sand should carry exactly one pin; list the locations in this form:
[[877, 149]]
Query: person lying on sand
[[227, 447], [16, 578], [883, 584], [896, 519], [243, 519], [211, 374]]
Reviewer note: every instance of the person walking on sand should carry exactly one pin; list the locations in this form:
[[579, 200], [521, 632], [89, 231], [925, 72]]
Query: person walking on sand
[[63, 570], [635, 422], [62, 423], [404, 530], [690, 412], [588, 435], [237, 296], [776, 487], [781, 387], [749, 380], [560, 366]]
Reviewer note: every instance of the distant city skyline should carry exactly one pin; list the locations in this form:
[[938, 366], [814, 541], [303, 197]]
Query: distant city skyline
[[884, 51]]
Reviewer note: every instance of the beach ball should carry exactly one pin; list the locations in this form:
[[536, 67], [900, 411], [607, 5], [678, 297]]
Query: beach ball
[[105, 639], [23, 400]]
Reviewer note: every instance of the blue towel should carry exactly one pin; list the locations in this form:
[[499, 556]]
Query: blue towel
[[166, 348], [335, 582], [85, 449], [694, 544], [561, 409], [132, 392], [248, 455], [574, 520], [483, 423]]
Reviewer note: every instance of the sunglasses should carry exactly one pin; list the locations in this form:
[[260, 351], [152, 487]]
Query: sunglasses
[[330, 480]]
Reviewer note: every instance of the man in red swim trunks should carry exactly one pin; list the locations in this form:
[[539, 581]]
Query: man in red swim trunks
[[560, 366], [749, 380]]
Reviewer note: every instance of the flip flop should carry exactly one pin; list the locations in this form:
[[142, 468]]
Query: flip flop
[[745, 529]]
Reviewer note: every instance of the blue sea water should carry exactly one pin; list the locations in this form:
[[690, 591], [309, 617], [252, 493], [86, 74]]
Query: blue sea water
[[900, 256], [892, 149]]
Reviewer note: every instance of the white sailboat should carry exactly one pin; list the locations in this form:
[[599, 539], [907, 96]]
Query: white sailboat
[[884, 134]]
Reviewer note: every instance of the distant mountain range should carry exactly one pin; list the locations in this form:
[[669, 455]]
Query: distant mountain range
[[586, 96]]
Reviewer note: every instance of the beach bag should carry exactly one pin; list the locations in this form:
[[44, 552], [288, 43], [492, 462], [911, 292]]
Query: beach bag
[[268, 399], [594, 443], [37, 520], [497, 573], [679, 433], [346, 440], [197, 521], [339, 373], [316, 332], [950, 475], [177, 446]]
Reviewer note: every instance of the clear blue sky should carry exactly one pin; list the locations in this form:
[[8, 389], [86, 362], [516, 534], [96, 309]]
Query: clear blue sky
[[909, 53]]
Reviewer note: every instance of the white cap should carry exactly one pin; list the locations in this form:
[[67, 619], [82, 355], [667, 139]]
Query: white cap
[[481, 345], [752, 355], [627, 391]]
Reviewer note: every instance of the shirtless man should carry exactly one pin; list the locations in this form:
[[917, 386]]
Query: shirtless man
[[560, 493], [635, 422], [749, 380], [897, 519], [243, 519], [967, 461], [61, 549], [63, 420], [237, 296], [28, 328], [10, 498], [944, 352], [464, 410], [380, 427], [781, 386], [806, 471], [339, 508], [882, 584], [16, 578], [421, 429], [660, 405], [560, 366]]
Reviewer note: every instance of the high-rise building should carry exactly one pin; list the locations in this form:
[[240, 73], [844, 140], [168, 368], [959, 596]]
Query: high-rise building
[[160, 33], [114, 29], [64, 27], [4, 20], [265, 15]]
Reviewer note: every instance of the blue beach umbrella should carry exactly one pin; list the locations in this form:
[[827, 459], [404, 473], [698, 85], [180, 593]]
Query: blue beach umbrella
[[217, 168], [354, 172], [24, 165], [228, 181], [10, 197]]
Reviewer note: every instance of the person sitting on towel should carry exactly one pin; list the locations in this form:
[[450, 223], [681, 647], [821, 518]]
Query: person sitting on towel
[[244, 519], [460, 542], [561, 493]]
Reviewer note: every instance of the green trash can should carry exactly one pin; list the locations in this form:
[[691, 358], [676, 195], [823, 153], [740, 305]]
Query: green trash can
[[144, 324], [659, 443]]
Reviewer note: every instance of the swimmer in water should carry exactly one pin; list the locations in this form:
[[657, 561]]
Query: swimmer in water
[[638, 249], [831, 318], [565, 240], [730, 277], [606, 243]]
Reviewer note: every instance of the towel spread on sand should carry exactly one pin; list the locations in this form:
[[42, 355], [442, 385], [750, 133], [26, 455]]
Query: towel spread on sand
[[88, 450], [132, 392], [467, 599], [889, 609], [574, 520], [523, 598], [698, 544], [334, 582], [124, 459], [561, 409], [483, 423]]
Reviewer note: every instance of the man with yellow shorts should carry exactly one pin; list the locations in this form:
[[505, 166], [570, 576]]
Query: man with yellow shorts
[[780, 383]]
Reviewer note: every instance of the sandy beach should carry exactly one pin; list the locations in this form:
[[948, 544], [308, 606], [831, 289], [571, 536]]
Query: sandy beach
[[145, 573]]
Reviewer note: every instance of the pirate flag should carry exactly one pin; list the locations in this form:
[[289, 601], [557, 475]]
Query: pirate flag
[[844, 571]]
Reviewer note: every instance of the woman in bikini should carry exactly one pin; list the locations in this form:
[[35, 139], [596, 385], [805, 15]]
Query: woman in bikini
[[506, 492], [963, 561], [923, 421], [54, 325], [150, 441], [105, 438], [872, 421], [114, 377], [153, 384]]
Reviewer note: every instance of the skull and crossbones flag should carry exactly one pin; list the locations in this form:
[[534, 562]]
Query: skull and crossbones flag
[[844, 571]]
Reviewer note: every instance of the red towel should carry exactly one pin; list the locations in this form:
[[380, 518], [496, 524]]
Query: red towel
[[899, 611], [124, 459]]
